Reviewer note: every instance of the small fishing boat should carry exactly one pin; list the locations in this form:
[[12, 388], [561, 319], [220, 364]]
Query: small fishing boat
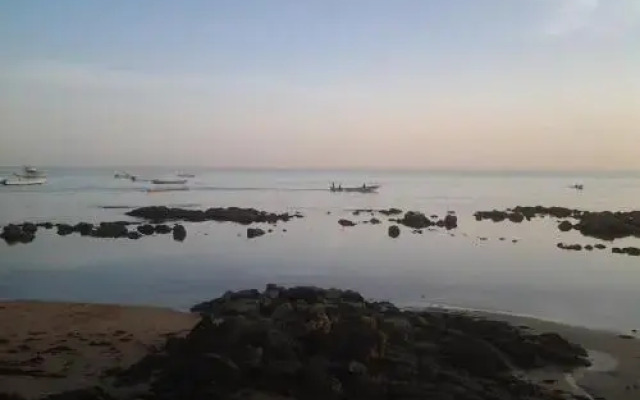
[[123, 175], [167, 189], [29, 176], [168, 181], [183, 175], [357, 189]]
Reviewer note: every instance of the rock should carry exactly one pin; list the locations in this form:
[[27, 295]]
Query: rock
[[134, 235], [565, 226], [617, 250], [179, 233], [146, 229], [346, 222], [243, 216], [162, 229], [394, 231], [600, 246], [391, 211], [450, 221], [563, 246], [374, 221], [110, 230], [606, 226], [415, 220], [254, 232], [28, 227], [515, 217], [65, 229], [95, 393], [588, 247], [16, 234], [84, 228], [46, 225]]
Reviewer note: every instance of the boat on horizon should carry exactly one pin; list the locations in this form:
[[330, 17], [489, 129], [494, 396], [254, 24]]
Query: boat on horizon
[[167, 189], [356, 189], [169, 181], [29, 176], [185, 175]]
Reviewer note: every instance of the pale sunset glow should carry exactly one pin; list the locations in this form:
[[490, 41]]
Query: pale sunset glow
[[465, 84]]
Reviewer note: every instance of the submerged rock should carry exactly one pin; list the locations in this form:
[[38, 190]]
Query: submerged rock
[[563, 246], [415, 220]]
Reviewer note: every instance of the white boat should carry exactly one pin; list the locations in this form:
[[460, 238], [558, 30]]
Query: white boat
[[169, 181], [29, 176]]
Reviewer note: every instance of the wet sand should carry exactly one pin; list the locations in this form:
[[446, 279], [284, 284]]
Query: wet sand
[[52, 347], [615, 373]]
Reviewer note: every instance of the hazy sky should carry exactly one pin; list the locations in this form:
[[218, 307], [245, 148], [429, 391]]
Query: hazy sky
[[519, 84]]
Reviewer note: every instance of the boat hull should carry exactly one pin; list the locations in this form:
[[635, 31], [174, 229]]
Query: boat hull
[[169, 181], [19, 181], [367, 189]]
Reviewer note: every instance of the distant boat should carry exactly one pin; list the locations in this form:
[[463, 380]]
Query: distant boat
[[577, 186], [123, 175], [167, 189], [183, 175], [168, 181], [356, 189], [29, 176]]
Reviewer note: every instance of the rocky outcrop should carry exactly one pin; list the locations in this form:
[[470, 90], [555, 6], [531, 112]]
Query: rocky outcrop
[[312, 343], [146, 229], [450, 221], [179, 233], [243, 216], [111, 230], [631, 251], [415, 220], [24, 233]]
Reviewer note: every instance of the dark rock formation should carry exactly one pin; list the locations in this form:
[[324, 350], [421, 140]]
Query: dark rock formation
[[609, 226], [600, 246], [391, 211], [65, 229], [254, 232], [588, 247], [563, 246], [450, 221], [374, 221], [631, 251], [134, 235], [162, 229], [346, 222], [243, 216], [146, 229], [565, 226], [415, 220], [83, 228], [311, 343], [111, 230], [394, 231], [18, 234], [179, 233]]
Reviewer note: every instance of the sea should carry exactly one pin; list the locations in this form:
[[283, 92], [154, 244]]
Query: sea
[[498, 267]]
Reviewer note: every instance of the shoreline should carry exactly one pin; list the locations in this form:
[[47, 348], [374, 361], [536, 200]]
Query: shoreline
[[67, 335]]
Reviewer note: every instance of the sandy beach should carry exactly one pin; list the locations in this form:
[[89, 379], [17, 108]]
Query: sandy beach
[[52, 347]]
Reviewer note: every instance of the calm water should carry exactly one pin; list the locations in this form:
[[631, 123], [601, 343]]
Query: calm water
[[532, 276]]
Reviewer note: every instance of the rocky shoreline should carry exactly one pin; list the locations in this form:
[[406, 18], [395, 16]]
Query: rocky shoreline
[[313, 343], [156, 220]]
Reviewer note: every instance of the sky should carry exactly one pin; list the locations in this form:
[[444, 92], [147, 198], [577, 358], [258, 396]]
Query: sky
[[429, 84]]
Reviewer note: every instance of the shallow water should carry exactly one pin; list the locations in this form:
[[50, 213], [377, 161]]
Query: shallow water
[[456, 268]]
